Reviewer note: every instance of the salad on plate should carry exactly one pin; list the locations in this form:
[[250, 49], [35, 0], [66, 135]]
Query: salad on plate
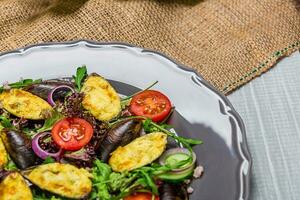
[[77, 138]]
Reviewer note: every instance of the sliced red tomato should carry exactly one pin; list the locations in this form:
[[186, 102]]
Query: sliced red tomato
[[141, 196], [72, 133], [151, 104]]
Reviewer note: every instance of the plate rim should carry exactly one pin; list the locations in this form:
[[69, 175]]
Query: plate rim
[[245, 181]]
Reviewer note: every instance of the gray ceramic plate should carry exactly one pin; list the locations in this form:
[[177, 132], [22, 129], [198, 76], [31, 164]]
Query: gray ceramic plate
[[202, 112]]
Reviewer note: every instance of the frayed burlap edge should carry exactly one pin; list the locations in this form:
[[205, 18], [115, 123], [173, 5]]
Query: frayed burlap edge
[[261, 68]]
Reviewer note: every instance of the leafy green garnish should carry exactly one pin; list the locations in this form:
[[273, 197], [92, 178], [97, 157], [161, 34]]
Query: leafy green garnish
[[29, 132], [81, 74], [55, 116], [126, 101], [10, 166], [48, 160], [5, 122], [39, 194], [113, 185], [101, 173], [21, 84], [150, 126], [108, 185]]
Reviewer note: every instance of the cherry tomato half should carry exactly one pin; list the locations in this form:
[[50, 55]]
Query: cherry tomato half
[[151, 104], [140, 196], [72, 133]]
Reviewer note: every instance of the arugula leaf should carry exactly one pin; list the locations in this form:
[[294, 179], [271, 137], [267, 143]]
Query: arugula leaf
[[5, 122], [100, 173], [22, 83], [48, 160], [81, 74], [149, 126], [127, 99], [55, 116], [125, 103], [39, 194], [29, 132], [115, 186], [150, 182], [10, 166]]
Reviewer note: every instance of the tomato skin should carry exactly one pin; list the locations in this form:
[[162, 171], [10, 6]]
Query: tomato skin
[[72, 133], [152, 104], [141, 196]]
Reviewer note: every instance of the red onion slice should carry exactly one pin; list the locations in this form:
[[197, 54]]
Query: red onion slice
[[59, 91], [41, 152]]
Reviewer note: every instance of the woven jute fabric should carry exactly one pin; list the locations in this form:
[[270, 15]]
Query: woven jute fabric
[[228, 42]]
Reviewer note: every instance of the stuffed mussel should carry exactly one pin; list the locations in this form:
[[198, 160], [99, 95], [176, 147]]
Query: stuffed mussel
[[14, 187], [3, 155], [18, 146], [69, 139], [62, 179], [120, 135]]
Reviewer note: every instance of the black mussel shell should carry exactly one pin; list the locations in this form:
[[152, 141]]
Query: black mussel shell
[[169, 191], [43, 89], [3, 174], [19, 148]]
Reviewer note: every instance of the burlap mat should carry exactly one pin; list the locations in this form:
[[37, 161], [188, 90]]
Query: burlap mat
[[228, 41]]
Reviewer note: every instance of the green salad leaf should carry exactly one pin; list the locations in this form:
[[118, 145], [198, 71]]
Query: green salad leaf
[[5, 122], [10, 166], [81, 74], [115, 186], [21, 83], [39, 194], [150, 126], [48, 160], [48, 124], [101, 173]]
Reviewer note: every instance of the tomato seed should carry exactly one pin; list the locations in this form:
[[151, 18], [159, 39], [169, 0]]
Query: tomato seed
[[139, 102]]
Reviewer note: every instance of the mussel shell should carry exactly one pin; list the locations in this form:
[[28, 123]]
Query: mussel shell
[[44, 88], [170, 191], [120, 135], [14, 186], [61, 81], [3, 174], [19, 148], [63, 179]]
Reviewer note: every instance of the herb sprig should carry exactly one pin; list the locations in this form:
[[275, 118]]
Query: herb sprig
[[148, 124], [21, 84], [126, 101], [81, 74], [107, 183], [48, 124], [48, 160], [5, 122]]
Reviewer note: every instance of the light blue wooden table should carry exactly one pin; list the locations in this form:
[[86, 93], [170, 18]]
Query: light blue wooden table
[[270, 108]]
